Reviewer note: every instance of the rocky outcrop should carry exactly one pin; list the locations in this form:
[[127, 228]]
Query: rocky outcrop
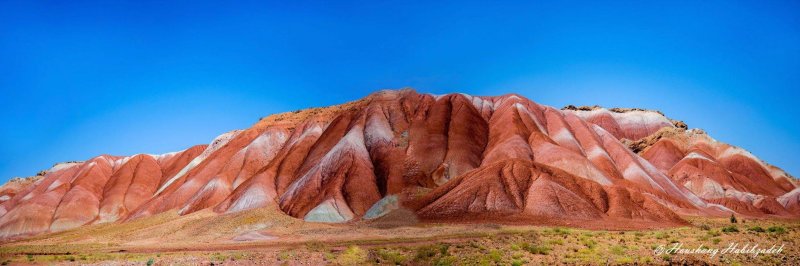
[[625, 123]]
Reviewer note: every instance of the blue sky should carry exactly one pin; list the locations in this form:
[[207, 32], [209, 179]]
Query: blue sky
[[79, 78]]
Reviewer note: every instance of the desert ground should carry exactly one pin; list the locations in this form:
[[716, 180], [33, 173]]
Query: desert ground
[[268, 238]]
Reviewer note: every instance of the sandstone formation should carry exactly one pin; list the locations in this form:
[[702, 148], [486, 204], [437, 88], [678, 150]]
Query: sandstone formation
[[454, 157]]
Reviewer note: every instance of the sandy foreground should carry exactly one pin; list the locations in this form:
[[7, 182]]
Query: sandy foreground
[[267, 238]]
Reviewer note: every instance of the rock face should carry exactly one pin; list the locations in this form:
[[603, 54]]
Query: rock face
[[448, 157]]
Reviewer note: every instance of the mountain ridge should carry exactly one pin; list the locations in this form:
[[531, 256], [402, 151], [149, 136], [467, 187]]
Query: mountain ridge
[[397, 149]]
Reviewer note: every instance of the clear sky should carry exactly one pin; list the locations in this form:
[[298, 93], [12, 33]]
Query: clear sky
[[79, 79]]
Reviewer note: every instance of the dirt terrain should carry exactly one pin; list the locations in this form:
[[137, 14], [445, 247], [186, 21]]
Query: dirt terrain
[[303, 243]]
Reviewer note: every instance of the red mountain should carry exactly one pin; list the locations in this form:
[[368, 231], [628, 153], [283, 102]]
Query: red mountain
[[452, 157]]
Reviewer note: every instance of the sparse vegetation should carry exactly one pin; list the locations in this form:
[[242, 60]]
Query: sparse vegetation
[[562, 231], [618, 250], [284, 255], [353, 255], [624, 260], [486, 245], [535, 249], [425, 252], [315, 246], [730, 229], [777, 229], [588, 242], [496, 255], [391, 256]]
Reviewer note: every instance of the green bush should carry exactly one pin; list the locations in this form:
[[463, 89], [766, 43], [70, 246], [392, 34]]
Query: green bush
[[535, 249], [562, 231], [757, 229], [150, 262], [443, 248], [496, 255], [444, 261], [425, 252], [391, 256], [618, 250], [353, 255], [589, 243], [624, 260], [776, 229], [730, 229]]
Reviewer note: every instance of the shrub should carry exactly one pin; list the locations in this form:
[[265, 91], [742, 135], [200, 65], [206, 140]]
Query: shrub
[[284, 255], [562, 231], [353, 255], [536, 249], [618, 250], [589, 243], [776, 229], [757, 229], [444, 261], [391, 256], [315, 246], [624, 260], [705, 227], [733, 218], [496, 255], [425, 252], [150, 262], [443, 248], [730, 229]]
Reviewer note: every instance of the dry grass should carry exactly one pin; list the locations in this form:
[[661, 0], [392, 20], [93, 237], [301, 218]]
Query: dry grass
[[423, 244]]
